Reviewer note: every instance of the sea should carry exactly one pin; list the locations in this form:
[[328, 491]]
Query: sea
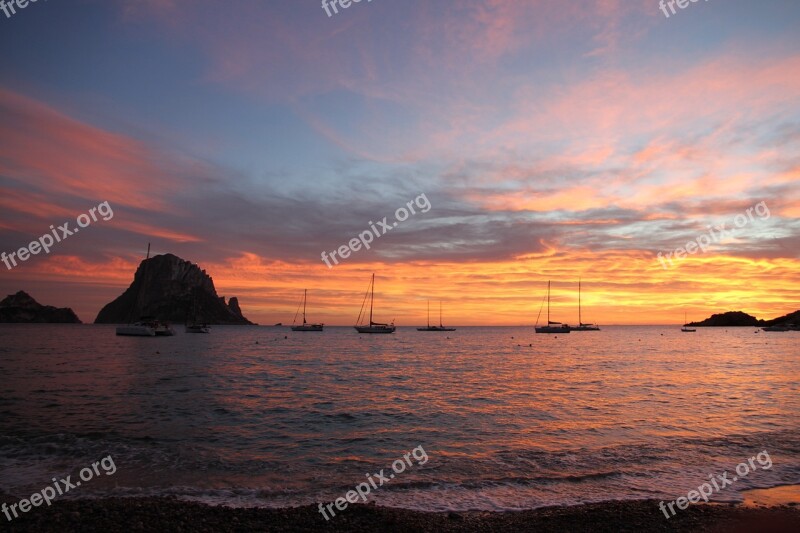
[[482, 418]]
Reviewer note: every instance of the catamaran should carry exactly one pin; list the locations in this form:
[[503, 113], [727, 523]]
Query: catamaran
[[372, 327], [440, 327], [305, 326], [581, 326], [551, 327]]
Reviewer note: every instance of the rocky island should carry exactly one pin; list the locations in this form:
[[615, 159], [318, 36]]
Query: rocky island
[[21, 308], [174, 290], [733, 319]]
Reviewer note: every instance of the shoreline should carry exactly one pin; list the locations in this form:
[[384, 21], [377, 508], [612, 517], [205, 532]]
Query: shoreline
[[171, 514]]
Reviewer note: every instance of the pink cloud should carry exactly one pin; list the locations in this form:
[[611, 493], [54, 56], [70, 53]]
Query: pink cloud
[[56, 168], [44, 149]]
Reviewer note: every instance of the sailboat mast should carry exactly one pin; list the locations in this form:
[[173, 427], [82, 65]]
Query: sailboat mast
[[371, 299], [429, 313], [305, 296], [548, 302], [580, 320], [440, 314]]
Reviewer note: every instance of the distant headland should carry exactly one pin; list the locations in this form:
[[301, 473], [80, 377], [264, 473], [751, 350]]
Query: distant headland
[[21, 308], [733, 319]]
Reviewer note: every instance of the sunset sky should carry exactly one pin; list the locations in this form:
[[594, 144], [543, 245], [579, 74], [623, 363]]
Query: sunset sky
[[554, 139]]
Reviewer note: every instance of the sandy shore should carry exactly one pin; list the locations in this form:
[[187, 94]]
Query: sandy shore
[[164, 514]]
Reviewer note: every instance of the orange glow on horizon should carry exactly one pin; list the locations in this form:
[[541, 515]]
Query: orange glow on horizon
[[622, 287]]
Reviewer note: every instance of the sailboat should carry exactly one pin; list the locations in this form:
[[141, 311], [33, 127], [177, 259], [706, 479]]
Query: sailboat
[[440, 327], [686, 328], [581, 326], [196, 327], [372, 327], [551, 327], [305, 326]]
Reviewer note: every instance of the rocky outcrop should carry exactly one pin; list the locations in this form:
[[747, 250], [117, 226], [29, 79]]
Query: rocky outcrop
[[733, 319], [21, 308], [729, 320], [792, 319], [174, 290], [233, 305]]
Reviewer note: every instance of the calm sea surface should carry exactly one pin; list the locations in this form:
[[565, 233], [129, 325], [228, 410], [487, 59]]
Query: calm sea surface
[[261, 416]]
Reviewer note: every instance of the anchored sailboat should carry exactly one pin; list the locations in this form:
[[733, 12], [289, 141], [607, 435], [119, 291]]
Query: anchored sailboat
[[440, 327], [305, 326], [581, 326], [372, 327], [551, 327], [196, 326], [686, 328]]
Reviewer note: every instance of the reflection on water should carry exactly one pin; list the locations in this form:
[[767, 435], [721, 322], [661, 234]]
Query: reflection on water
[[265, 416], [784, 495]]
